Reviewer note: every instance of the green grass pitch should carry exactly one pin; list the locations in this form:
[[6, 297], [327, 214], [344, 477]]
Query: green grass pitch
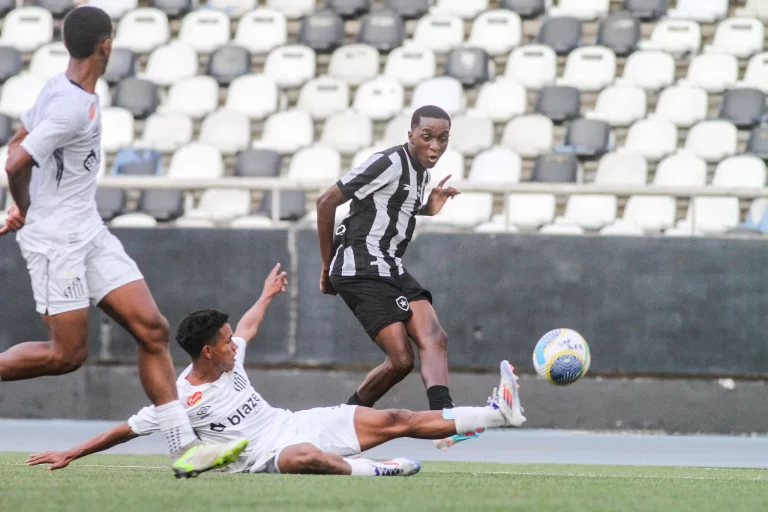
[[143, 483]]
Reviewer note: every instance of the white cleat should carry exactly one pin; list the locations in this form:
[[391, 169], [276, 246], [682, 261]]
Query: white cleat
[[397, 467], [506, 399]]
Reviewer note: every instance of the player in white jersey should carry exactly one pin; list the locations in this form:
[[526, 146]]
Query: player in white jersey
[[223, 405], [52, 167]]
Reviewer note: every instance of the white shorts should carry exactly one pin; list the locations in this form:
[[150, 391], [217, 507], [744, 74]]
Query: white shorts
[[330, 429], [66, 280]]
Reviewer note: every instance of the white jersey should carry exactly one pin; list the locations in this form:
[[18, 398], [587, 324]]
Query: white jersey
[[64, 140], [225, 410]]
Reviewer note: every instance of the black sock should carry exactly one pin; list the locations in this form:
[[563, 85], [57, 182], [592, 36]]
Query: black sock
[[356, 400], [439, 398]]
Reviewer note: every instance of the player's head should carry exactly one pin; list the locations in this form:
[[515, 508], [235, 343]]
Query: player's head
[[206, 336], [87, 34], [430, 131]]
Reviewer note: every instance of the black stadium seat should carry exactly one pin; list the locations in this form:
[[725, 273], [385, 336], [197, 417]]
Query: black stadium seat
[[758, 142], [163, 205], [350, 8], [408, 9], [122, 65], [556, 168], [743, 107], [110, 202], [58, 8], [559, 103], [468, 65], [256, 163], [527, 9], [229, 62], [620, 32], [563, 34], [292, 205], [322, 31], [137, 162], [384, 30], [587, 138], [173, 8], [11, 62], [6, 130], [140, 97], [647, 10]]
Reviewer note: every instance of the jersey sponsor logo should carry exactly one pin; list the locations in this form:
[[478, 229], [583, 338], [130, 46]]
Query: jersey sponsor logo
[[194, 398], [75, 289], [402, 303], [252, 405], [90, 161], [240, 382]]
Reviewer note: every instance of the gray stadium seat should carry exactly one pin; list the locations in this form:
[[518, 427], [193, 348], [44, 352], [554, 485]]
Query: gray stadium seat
[[110, 202], [620, 32], [140, 97], [229, 62], [587, 138], [556, 168], [350, 8], [758, 142], [322, 31], [6, 130], [58, 8], [647, 10], [559, 103], [163, 205], [384, 30], [563, 34], [256, 163], [137, 162], [527, 9], [468, 65], [743, 107], [173, 8], [292, 205], [11, 62], [408, 9], [7, 6], [122, 65]]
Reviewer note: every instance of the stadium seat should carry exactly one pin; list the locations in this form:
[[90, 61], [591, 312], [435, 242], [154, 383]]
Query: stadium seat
[[743, 107], [380, 99], [103, 92], [262, 30], [324, 96], [227, 130], [562, 230], [651, 70], [450, 164], [582, 9], [589, 211], [587, 138], [620, 32], [559, 103], [497, 32], [292, 9], [496, 165], [681, 170], [286, 132], [320, 164], [364, 154], [556, 168], [137, 162], [257, 96], [122, 65], [140, 97], [754, 8], [622, 169], [408, 9], [350, 8], [291, 65], [195, 97], [174, 9], [531, 211], [27, 28], [589, 68], [527, 9], [142, 30], [757, 216], [465, 211], [11, 62], [500, 100], [756, 75], [712, 140], [396, 131], [470, 66], [713, 215], [683, 106], [20, 93], [221, 205], [49, 60], [561, 34], [652, 138], [6, 133], [713, 72], [205, 30], [256, 163], [234, 8], [471, 134], [620, 105], [117, 129], [439, 32], [347, 132], [529, 136], [323, 31], [134, 221], [170, 63], [411, 64], [383, 30], [647, 10], [467, 9], [354, 63], [228, 63], [758, 142], [110, 202], [704, 11], [292, 205], [652, 213], [742, 37], [115, 8], [742, 171], [164, 205], [445, 92], [59, 8], [622, 228], [166, 132], [196, 160], [678, 37]]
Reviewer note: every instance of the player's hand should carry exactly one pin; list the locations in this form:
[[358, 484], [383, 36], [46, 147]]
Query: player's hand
[[57, 460], [14, 222], [439, 196], [276, 283], [325, 283]]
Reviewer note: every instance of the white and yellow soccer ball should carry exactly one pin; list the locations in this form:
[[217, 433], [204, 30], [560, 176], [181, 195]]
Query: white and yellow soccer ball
[[562, 356]]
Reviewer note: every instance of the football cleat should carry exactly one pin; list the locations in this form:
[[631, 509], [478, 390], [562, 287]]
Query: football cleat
[[506, 398], [206, 457], [448, 442], [397, 467]]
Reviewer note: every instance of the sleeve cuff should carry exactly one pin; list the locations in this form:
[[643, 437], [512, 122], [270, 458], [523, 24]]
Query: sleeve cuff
[[345, 190], [35, 158]]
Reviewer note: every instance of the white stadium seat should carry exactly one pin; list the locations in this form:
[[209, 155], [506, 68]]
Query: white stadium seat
[[681, 170], [713, 215], [451, 163], [142, 30], [196, 160], [683, 106], [531, 211], [117, 129], [134, 220], [221, 205], [652, 70], [713, 72], [651, 213], [496, 165], [705, 11], [396, 131], [286, 132], [233, 8], [651, 138], [581, 9], [529, 136], [497, 32], [205, 30], [316, 164], [445, 92], [348, 132], [195, 97], [102, 91], [27, 28], [166, 132], [467, 9], [170, 63], [678, 37], [411, 64], [465, 211], [292, 9], [262, 30], [323, 96], [471, 134], [756, 8], [622, 228], [712, 140], [756, 75], [741, 37], [115, 8], [354, 63], [533, 66], [500, 100], [20, 93], [227, 130], [682, 229], [364, 154], [194, 223], [380, 99], [49, 60], [257, 96], [439, 32], [291, 65], [742, 171], [622, 169], [562, 230], [252, 222], [620, 105], [589, 68], [590, 212]]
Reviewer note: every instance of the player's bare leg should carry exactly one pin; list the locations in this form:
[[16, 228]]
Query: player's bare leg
[[307, 459], [432, 342]]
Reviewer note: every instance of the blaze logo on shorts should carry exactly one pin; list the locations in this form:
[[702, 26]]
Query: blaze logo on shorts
[[194, 398], [402, 303]]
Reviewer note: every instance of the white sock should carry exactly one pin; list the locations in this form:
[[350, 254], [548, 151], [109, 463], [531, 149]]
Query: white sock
[[470, 419], [363, 467], [175, 425]]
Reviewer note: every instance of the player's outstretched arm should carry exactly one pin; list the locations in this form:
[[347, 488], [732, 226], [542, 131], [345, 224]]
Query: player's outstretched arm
[[274, 285], [326, 219], [57, 460], [18, 167]]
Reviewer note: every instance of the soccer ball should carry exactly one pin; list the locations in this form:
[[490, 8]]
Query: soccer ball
[[562, 356]]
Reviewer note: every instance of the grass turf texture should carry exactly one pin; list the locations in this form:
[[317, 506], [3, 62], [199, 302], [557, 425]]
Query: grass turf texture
[[109, 483]]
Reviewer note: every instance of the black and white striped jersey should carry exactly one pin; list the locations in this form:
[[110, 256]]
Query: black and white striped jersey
[[387, 192]]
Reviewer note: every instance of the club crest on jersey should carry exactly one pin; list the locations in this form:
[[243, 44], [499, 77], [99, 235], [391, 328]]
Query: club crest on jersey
[[194, 398], [92, 111], [402, 303]]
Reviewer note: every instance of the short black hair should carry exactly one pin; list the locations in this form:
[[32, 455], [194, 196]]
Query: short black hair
[[199, 329], [84, 28], [430, 112]]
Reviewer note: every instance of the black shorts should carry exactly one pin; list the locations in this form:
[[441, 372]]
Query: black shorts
[[378, 302]]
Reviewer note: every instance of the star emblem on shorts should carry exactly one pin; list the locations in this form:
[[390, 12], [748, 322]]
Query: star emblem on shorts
[[402, 303]]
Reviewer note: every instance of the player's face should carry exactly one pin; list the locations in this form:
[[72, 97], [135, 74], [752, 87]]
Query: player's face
[[430, 140], [225, 350]]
